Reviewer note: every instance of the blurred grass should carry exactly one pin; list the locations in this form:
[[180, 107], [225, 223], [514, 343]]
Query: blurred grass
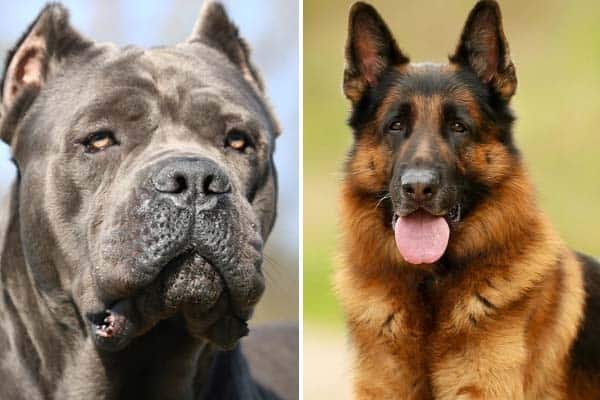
[[556, 48]]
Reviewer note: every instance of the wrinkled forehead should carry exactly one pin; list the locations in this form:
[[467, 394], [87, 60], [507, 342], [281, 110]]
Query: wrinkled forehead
[[132, 77]]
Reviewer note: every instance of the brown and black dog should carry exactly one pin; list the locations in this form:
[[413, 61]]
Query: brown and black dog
[[454, 283]]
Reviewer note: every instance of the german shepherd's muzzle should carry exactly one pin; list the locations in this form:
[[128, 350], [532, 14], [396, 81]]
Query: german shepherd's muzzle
[[424, 194]]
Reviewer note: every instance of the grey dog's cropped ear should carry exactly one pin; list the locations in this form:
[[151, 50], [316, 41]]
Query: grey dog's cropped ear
[[483, 48], [39, 52], [214, 29]]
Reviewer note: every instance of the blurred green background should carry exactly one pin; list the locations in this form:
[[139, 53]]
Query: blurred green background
[[556, 49]]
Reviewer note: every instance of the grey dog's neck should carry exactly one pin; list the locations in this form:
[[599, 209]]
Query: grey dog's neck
[[55, 352], [164, 364]]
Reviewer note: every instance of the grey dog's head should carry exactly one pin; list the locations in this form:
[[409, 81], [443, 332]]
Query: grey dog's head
[[146, 184]]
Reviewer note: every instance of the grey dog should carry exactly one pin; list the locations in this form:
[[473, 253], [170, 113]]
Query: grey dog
[[132, 240]]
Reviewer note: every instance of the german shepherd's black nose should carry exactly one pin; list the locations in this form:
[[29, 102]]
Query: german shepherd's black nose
[[420, 184], [184, 175]]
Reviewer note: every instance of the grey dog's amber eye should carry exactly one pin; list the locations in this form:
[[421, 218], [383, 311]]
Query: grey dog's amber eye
[[238, 140], [99, 141]]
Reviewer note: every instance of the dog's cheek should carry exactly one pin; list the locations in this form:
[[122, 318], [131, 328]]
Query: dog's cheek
[[264, 205], [489, 162], [244, 251], [370, 166], [118, 243], [46, 220]]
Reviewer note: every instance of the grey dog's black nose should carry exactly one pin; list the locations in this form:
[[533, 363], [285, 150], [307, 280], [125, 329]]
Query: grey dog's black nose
[[183, 175], [419, 184]]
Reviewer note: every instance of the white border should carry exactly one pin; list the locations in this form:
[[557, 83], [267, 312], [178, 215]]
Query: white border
[[301, 198]]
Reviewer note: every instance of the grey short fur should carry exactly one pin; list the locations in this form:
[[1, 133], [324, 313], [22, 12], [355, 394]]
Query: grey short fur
[[131, 242]]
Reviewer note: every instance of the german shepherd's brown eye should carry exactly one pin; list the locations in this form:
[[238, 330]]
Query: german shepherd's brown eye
[[397, 126], [238, 140], [457, 126], [99, 141]]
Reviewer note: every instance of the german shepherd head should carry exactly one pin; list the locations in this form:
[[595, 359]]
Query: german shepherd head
[[431, 142]]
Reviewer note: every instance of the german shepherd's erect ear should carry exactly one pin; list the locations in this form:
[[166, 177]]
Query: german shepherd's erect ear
[[483, 48], [370, 50]]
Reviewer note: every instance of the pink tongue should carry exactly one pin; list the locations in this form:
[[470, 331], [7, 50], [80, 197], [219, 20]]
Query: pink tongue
[[421, 237]]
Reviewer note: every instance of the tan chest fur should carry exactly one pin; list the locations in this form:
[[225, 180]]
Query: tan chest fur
[[494, 329]]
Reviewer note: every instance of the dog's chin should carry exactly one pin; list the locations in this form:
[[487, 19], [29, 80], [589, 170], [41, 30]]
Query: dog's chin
[[188, 286]]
